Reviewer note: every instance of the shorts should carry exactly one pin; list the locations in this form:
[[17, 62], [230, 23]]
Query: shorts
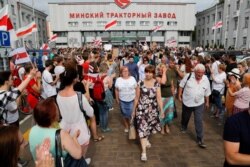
[[126, 108]]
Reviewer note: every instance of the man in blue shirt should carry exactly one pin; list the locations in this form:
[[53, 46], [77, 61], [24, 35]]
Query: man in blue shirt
[[133, 68]]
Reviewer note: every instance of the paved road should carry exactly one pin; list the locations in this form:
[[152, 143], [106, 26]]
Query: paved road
[[173, 150]]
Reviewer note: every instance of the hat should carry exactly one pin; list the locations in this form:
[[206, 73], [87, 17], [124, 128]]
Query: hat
[[235, 72]]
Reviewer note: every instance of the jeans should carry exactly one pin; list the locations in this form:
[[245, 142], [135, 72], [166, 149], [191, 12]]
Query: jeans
[[218, 102], [103, 114], [198, 114]]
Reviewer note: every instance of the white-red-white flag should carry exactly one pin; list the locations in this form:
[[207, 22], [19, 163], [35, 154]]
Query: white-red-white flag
[[26, 30], [45, 46], [157, 28], [6, 24], [53, 38], [171, 43], [21, 56], [217, 25], [110, 24], [97, 42]]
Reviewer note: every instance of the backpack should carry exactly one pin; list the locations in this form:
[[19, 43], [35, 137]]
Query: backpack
[[98, 89], [16, 79]]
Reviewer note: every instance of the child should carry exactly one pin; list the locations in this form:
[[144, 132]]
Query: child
[[242, 96]]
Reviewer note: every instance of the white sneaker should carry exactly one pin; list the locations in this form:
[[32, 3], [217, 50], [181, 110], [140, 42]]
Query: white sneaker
[[126, 130], [88, 160], [143, 157], [111, 109]]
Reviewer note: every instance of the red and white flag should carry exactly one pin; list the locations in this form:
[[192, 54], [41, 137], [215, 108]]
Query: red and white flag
[[157, 28], [26, 30], [6, 24], [217, 25], [53, 38], [110, 24], [21, 56], [171, 42], [97, 42], [45, 46]]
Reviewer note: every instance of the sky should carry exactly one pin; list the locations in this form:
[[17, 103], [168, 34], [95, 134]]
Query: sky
[[43, 4]]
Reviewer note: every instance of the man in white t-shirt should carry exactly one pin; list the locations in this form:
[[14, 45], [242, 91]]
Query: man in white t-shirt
[[58, 70], [49, 85]]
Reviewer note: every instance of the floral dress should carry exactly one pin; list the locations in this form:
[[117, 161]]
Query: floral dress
[[147, 114]]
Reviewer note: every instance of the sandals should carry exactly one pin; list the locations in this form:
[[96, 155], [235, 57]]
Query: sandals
[[99, 138]]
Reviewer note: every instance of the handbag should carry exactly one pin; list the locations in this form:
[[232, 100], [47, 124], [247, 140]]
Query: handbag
[[132, 132], [69, 161]]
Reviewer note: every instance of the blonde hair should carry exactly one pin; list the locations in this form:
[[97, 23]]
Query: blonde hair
[[103, 67]]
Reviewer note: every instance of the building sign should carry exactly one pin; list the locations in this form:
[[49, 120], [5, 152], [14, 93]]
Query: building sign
[[122, 3], [161, 15]]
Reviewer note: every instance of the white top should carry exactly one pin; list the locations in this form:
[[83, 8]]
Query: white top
[[48, 89], [11, 117], [194, 93], [142, 71], [215, 67], [218, 82], [58, 70], [126, 88], [21, 72], [72, 116]]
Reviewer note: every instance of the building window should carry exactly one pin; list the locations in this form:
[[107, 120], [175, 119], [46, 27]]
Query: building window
[[213, 17], [203, 20], [218, 42], [116, 33], [235, 23], [226, 43], [228, 9], [13, 10], [172, 23], [234, 41], [208, 19], [89, 34], [199, 21], [244, 40], [184, 33], [246, 22], [212, 31], [248, 4], [119, 23], [218, 30], [219, 16], [198, 43], [158, 23], [101, 23], [203, 33], [144, 23], [87, 23], [130, 23], [199, 33], [227, 28], [1, 3], [212, 42], [143, 33], [207, 31], [237, 4], [207, 42], [14, 24], [202, 43], [73, 24], [62, 34]]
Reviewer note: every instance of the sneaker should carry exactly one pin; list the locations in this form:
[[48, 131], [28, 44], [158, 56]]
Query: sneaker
[[106, 130], [143, 157], [22, 163], [183, 130], [111, 109], [126, 130], [88, 160], [202, 144]]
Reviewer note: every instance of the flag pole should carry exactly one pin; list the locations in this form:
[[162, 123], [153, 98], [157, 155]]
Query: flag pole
[[33, 13]]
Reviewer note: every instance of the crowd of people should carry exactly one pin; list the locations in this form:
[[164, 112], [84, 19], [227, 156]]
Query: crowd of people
[[78, 87]]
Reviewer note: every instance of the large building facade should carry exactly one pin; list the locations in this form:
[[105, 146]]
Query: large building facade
[[235, 32], [79, 23], [22, 14]]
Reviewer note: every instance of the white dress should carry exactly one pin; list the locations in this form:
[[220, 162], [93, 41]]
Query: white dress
[[72, 117]]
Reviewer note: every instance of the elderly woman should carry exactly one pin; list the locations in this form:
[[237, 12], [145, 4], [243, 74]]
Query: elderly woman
[[125, 88], [146, 109], [45, 114]]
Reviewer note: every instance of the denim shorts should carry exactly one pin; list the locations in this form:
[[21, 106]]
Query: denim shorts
[[126, 108]]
